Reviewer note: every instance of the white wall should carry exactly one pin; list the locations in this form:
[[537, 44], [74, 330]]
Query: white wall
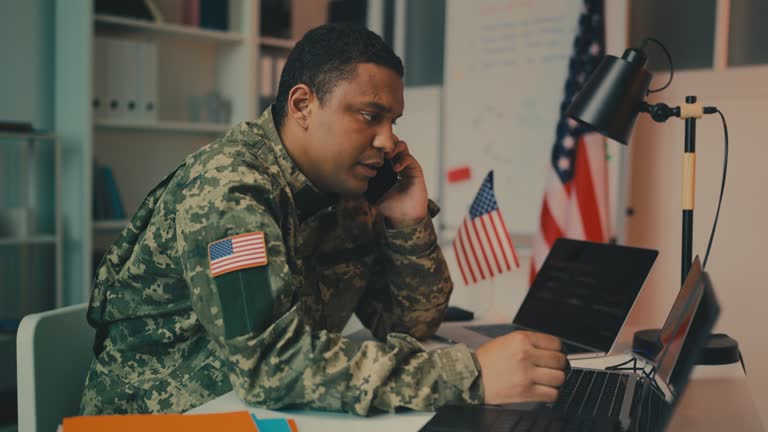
[[26, 46], [738, 259]]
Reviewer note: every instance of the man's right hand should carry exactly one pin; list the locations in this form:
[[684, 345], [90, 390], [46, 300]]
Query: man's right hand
[[522, 366]]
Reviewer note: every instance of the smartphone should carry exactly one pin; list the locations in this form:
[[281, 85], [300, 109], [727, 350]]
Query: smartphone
[[379, 185]]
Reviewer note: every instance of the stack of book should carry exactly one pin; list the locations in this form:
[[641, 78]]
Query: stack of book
[[271, 66], [239, 421], [106, 196], [210, 14]]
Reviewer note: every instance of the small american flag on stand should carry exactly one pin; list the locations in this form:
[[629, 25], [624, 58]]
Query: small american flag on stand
[[483, 246], [237, 252]]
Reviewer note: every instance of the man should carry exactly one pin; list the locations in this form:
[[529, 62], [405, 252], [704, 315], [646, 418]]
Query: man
[[240, 269]]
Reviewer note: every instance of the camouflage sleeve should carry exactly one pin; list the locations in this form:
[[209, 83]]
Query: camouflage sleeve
[[274, 358], [412, 285]]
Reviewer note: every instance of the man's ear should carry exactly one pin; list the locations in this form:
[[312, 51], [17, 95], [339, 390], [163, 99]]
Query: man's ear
[[299, 104]]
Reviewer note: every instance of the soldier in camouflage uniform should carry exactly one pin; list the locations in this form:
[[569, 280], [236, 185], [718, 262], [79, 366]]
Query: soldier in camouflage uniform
[[240, 269]]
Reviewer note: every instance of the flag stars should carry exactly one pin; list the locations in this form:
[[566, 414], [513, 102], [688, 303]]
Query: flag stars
[[594, 49], [585, 205]]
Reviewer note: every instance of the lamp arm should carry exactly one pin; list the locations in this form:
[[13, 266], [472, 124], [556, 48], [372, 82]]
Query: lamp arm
[[661, 112]]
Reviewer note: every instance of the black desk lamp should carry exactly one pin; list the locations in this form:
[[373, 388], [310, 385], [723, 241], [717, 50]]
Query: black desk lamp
[[610, 102]]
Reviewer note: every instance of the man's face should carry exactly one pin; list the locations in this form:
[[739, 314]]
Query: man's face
[[349, 133]]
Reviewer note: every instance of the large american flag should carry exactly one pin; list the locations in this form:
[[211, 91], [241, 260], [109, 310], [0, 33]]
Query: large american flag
[[576, 196], [483, 247], [237, 252]]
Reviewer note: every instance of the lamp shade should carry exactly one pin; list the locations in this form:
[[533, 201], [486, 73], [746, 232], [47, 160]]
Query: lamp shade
[[612, 97]]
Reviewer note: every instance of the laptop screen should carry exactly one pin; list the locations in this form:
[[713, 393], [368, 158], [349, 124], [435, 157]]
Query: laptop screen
[[686, 331], [679, 322], [584, 291]]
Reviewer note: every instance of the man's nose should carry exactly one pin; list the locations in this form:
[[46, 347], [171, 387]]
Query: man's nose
[[385, 141]]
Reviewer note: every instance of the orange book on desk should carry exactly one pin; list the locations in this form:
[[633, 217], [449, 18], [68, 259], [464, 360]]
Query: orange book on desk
[[233, 421]]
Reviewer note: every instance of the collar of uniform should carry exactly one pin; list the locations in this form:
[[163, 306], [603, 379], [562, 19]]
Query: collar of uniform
[[306, 196]]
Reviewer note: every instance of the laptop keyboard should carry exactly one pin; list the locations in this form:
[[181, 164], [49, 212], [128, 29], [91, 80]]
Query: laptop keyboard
[[653, 412], [500, 419], [496, 330], [592, 393], [590, 400]]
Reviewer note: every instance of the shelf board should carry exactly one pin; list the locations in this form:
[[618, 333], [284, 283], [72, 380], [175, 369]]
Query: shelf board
[[35, 239], [28, 135], [161, 126], [274, 42], [110, 224], [168, 28]]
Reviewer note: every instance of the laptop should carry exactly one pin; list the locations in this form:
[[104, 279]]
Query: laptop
[[583, 294], [608, 400]]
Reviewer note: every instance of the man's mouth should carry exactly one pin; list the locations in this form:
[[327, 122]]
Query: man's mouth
[[375, 164], [370, 169]]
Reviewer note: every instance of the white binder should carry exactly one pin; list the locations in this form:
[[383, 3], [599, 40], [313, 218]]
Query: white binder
[[129, 83], [122, 85], [99, 81], [113, 107], [279, 65], [267, 88], [146, 74]]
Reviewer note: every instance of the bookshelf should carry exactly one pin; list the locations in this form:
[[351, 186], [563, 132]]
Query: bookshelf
[[279, 43], [31, 222], [161, 126], [192, 63], [109, 225], [31, 240], [105, 22], [28, 135]]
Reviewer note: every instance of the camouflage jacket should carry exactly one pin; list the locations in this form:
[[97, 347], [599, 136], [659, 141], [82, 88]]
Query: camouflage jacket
[[171, 335]]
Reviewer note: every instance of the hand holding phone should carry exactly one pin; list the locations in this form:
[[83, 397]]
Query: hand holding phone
[[398, 190], [384, 180]]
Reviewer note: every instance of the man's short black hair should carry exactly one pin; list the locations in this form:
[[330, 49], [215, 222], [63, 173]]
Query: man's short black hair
[[327, 55]]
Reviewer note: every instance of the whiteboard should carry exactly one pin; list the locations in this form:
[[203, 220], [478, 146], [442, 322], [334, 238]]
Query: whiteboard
[[420, 128], [504, 77]]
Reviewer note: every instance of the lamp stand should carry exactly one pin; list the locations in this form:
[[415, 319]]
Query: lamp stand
[[689, 187], [720, 349]]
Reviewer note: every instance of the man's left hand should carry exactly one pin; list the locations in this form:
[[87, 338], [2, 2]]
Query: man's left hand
[[405, 205]]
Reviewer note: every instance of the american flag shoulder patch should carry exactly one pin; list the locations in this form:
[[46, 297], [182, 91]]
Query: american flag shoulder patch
[[237, 252]]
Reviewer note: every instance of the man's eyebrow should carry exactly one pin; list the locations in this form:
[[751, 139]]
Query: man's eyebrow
[[379, 107], [376, 106]]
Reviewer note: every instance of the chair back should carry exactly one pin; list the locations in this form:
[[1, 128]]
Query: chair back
[[54, 353]]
